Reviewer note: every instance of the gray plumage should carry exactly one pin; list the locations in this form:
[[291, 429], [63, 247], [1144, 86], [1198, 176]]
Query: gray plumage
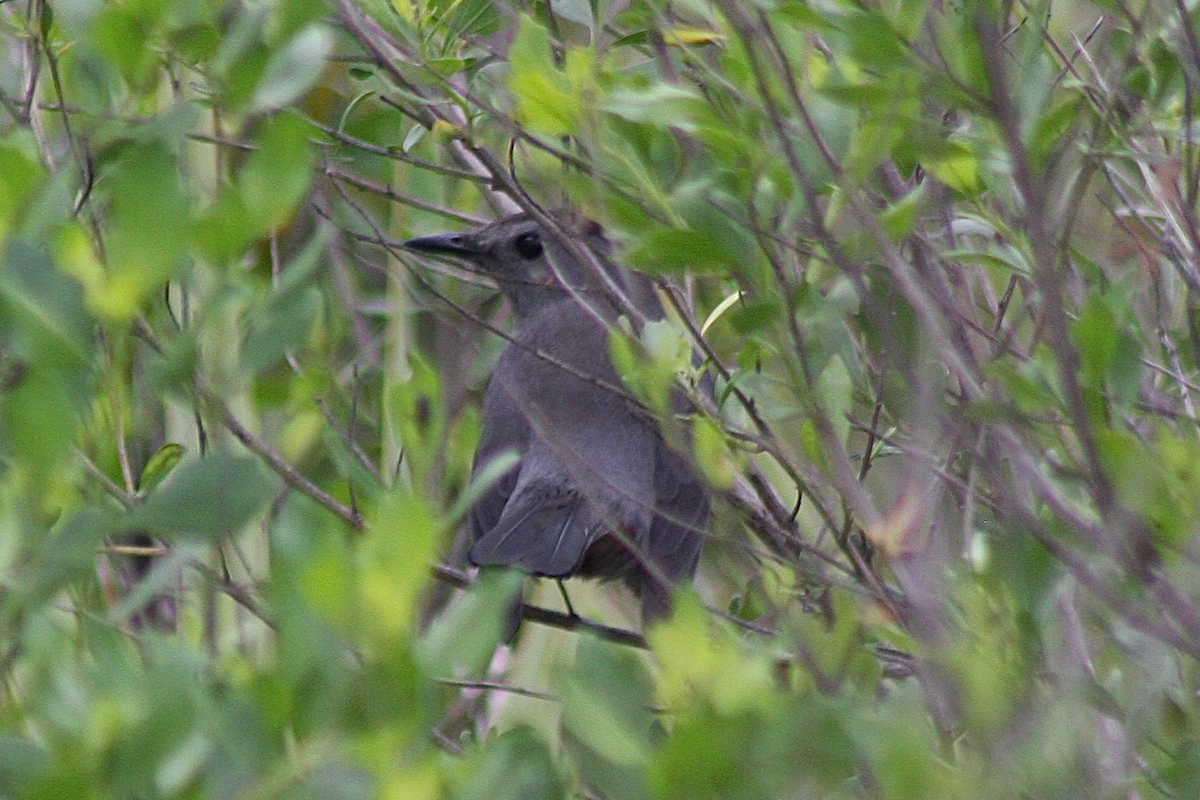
[[594, 472]]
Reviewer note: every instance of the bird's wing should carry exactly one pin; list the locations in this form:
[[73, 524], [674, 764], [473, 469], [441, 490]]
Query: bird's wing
[[681, 512], [543, 531], [676, 534]]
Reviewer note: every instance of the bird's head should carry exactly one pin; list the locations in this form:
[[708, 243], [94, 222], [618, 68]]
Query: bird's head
[[529, 265]]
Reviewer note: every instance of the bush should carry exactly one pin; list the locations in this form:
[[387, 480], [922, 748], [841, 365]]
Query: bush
[[940, 259]]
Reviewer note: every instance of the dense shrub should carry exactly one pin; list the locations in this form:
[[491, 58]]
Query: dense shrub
[[941, 261]]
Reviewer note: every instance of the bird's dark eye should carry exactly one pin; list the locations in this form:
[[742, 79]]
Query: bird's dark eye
[[528, 245]]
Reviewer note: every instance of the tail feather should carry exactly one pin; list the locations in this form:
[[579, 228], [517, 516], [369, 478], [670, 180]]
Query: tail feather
[[543, 535]]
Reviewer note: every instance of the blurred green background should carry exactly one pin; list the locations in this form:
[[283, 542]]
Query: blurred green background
[[942, 260]]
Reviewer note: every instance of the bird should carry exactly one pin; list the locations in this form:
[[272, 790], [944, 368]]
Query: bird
[[595, 491]]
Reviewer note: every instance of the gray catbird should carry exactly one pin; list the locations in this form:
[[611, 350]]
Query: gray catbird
[[596, 491]]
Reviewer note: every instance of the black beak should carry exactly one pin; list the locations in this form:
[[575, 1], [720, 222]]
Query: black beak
[[448, 244]]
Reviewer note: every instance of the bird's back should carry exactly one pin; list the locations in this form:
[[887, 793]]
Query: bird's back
[[587, 461]]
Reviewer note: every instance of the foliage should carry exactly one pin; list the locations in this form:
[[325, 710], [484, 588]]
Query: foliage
[[941, 259]]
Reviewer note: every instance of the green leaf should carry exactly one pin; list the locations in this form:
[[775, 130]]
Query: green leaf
[[722, 307], [674, 250], [123, 32], [873, 41], [281, 325], [39, 419], [292, 70], [19, 176], [149, 227], [65, 553], [713, 454], [545, 101], [835, 391], [23, 764], [578, 11], [516, 765], [470, 18], [752, 314], [277, 174], [43, 307], [483, 480], [899, 218], [1109, 354], [206, 498], [160, 466], [1159, 481], [394, 562], [661, 104], [281, 329], [606, 702], [463, 640], [958, 168], [226, 227]]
